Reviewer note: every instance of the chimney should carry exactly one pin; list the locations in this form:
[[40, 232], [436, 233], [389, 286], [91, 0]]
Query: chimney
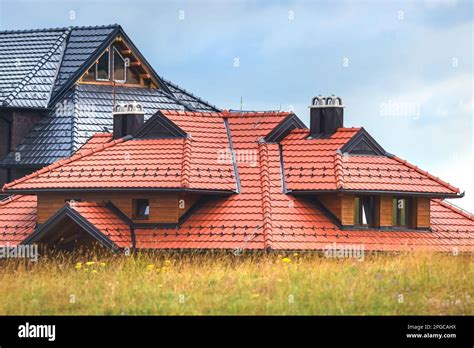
[[127, 119], [327, 115]]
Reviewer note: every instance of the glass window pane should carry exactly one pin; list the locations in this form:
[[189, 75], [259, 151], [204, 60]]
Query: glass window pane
[[141, 208], [103, 67], [119, 67], [364, 215]]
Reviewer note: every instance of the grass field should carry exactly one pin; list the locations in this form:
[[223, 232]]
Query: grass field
[[224, 284]]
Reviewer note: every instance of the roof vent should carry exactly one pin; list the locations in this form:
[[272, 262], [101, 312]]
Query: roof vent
[[326, 116], [128, 118]]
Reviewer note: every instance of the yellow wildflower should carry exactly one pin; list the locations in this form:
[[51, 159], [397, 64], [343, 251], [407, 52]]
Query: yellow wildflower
[[78, 265], [150, 267], [89, 263], [94, 271], [102, 264], [286, 260]]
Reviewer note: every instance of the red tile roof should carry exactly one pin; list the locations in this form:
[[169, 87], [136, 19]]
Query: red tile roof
[[318, 165], [95, 141], [176, 163], [310, 164], [17, 219], [106, 221], [389, 174], [261, 215]]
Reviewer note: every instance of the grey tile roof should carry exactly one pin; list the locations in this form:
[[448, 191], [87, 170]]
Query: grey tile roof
[[38, 67], [85, 110], [82, 43], [29, 61]]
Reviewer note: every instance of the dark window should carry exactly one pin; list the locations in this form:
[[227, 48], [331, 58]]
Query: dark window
[[120, 69], [141, 209], [364, 211], [401, 212], [102, 67]]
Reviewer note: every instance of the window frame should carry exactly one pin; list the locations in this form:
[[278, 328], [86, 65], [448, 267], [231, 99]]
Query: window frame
[[367, 204], [124, 65], [108, 67], [135, 209]]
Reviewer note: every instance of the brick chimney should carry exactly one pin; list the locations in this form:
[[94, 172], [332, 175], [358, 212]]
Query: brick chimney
[[326, 116]]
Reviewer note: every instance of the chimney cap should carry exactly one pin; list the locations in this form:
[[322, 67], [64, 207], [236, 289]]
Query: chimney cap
[[128, 108], [326, 102]]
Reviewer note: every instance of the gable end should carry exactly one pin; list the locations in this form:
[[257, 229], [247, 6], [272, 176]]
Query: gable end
[[158, 127], [363, 144]]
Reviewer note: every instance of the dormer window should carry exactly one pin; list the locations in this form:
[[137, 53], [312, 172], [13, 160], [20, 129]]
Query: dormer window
[[141, 209], [364, 211], [401, 212]]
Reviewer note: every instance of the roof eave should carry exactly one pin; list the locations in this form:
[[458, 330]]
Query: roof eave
[[379, 192], [118, 189]]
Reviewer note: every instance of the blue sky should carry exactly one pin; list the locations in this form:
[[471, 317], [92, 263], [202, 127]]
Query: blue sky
[[403, 68]]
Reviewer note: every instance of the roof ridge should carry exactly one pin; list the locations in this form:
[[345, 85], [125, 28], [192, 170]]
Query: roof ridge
[[74, 27], [338, 170], [432, 177], [228, 113], [76, 156], [266, 199], [186, 164], [41, 62], [455, 208]]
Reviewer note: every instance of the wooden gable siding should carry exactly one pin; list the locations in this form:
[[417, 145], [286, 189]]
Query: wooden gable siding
[[164, 207]]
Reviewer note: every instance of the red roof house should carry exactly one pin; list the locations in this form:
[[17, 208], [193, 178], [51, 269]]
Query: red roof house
[[235, 181]]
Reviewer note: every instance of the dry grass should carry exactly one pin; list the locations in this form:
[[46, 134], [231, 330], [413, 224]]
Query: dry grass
[[224, 284]]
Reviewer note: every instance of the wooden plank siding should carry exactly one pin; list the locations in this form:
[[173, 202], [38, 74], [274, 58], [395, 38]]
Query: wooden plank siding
[[386, 212], [421, 212], [164, 207], [347, 215]]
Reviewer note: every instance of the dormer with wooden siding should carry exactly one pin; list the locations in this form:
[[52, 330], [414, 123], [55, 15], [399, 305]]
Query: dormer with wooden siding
[[163, 208]]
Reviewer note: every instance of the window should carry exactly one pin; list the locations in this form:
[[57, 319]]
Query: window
[[364, 211], [120, 67], [400, 211], [102, 70], [141, 209]]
